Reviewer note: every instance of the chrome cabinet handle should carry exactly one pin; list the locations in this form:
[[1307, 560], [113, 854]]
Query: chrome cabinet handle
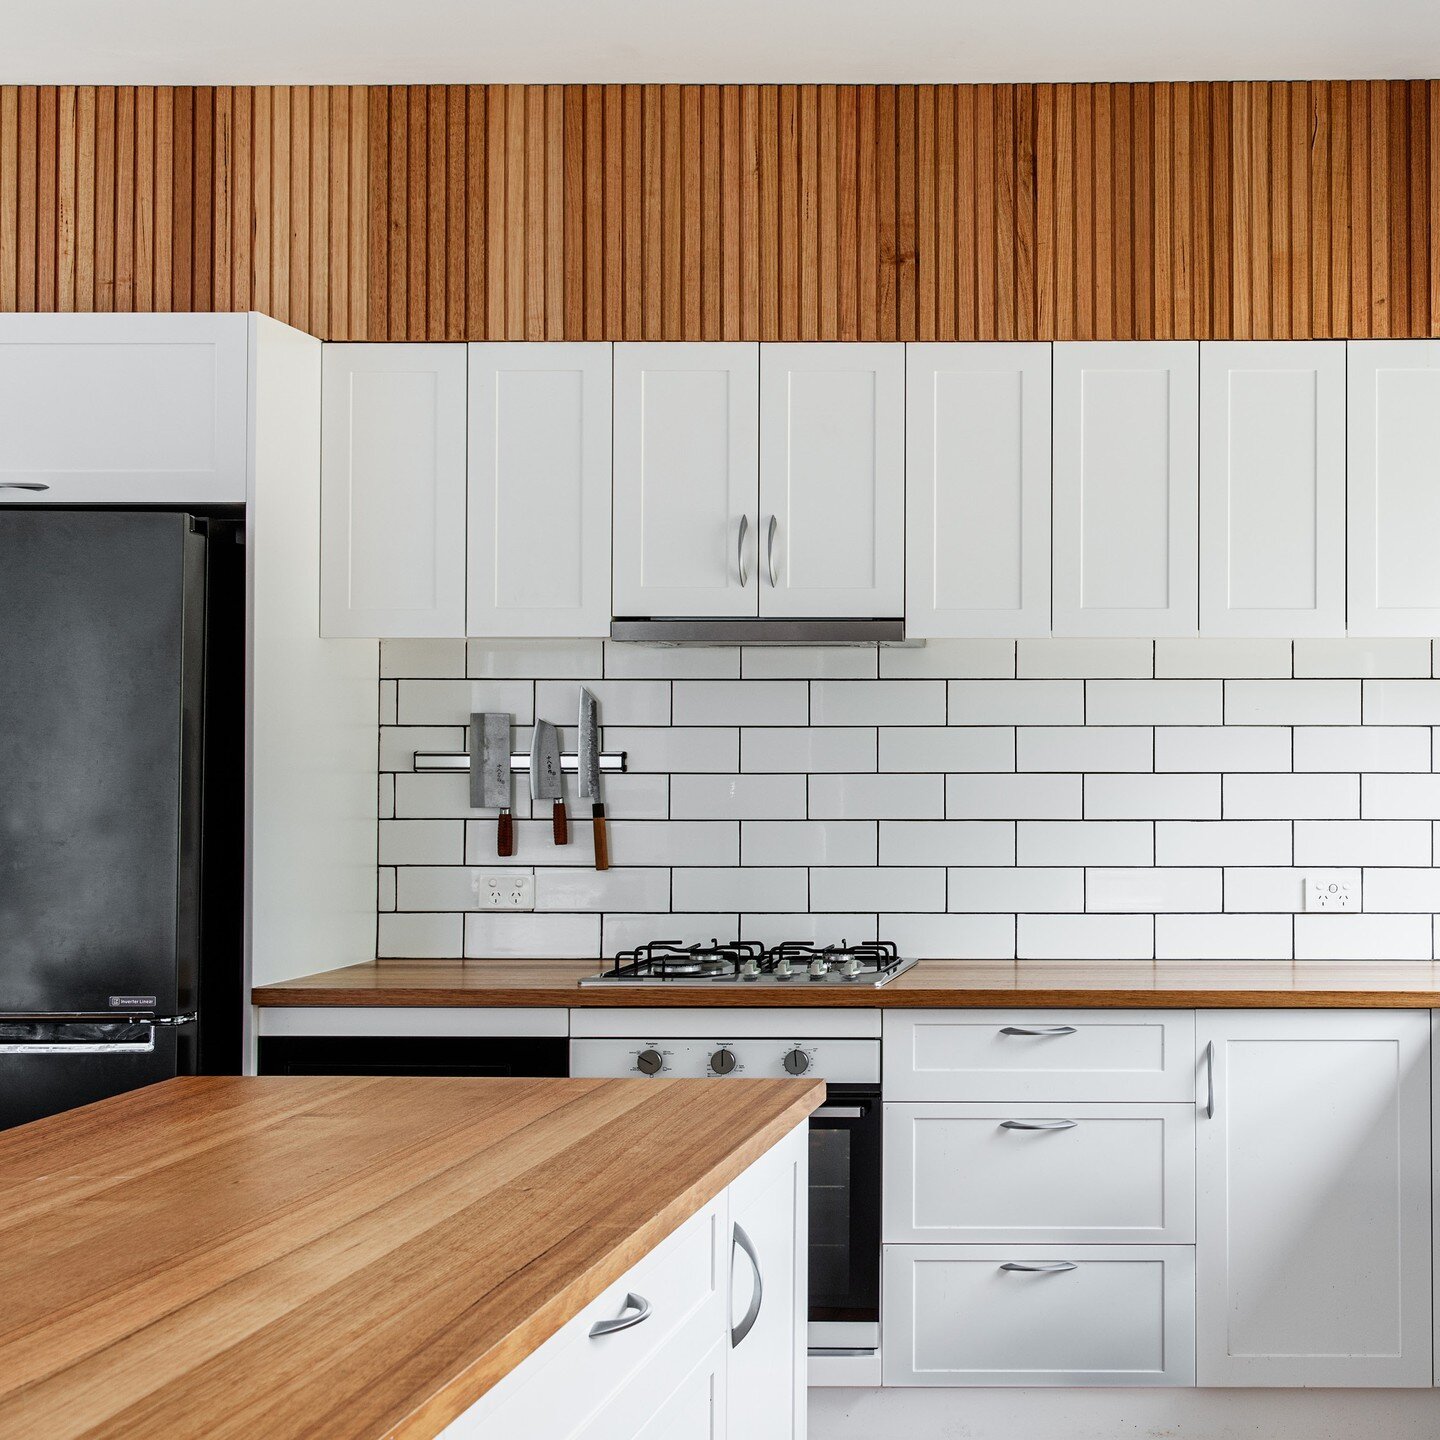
[[22, 485], [1037, 1029], [1038, 1124], [740, 550], [770, 549], [623, 1321], [1045, 1267], [747, 1321], [1210, 1080]]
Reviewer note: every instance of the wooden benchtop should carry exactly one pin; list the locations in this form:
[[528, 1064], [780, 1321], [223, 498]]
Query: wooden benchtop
[[298, 1257], [1060, 984]]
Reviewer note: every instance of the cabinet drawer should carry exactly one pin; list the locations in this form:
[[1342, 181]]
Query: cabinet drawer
[[1084, 1174], [1114, 1315], [1041, 1055]]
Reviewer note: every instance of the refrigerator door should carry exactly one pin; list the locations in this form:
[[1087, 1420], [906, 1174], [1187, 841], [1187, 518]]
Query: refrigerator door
[[37, 1080]]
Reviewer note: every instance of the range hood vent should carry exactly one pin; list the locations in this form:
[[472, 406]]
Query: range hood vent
[[758, 632]]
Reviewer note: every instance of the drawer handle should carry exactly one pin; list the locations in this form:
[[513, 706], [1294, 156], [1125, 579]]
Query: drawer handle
[[623, 1321], [1042, 1267], [1038, 1124], [22, 485], [1210, 1080], [747, 1321], [1037, 1030]]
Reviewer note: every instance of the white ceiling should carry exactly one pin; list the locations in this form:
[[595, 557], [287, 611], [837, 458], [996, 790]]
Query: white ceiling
[[396, 41]]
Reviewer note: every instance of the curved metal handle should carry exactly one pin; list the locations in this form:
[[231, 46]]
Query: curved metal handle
[[623, 1321], [747, 1321], [1210, 1080], [1044, 1267], [22, 485], [740, 551], [1037, 1029], [770, 549], [1038, 1124]]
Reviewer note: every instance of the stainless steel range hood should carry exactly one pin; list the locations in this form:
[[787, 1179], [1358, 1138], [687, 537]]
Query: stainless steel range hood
[[742, 631]]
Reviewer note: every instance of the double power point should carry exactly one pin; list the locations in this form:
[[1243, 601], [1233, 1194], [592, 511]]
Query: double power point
[[503, 889]]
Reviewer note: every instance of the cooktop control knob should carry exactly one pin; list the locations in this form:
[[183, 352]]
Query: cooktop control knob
[[649, 1062], [750, 969], [796, 1062], [850, 968], [819, 968], [722, 1062], [783, 969]]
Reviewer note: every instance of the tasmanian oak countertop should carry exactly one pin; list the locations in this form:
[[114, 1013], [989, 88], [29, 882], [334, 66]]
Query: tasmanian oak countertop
[[975, 984], [298, 1257]]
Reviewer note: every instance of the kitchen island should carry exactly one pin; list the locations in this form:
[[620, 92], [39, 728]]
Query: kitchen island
[[348, 1257]]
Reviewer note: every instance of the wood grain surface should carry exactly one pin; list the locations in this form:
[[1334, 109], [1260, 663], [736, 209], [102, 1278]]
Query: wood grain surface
[[296, 1257], [974, 984], [1252, 210]]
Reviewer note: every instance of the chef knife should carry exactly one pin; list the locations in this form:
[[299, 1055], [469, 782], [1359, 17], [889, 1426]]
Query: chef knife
[[589, 760], [490, 773], [545, 779]]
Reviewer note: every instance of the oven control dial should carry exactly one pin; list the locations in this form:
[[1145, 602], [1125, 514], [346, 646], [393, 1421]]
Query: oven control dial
[[722, 1062], [796, 1062], [649, 1062]]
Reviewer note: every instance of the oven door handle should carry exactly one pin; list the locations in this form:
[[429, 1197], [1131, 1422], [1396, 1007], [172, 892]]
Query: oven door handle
[[740, 1240], [839, 1112]]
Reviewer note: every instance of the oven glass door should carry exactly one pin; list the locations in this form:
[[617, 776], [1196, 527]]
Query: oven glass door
[[845, 1219]]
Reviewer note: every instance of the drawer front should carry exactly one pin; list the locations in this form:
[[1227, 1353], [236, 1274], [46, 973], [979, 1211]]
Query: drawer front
[[1123, 1315], [1082, 1174], [1039, 1055]]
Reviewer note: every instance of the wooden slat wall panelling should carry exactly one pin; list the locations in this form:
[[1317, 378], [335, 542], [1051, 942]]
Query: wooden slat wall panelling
[[9, 195]]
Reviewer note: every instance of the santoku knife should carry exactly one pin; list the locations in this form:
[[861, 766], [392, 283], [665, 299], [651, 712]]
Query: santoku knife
[[546, 782], [490, 774], [589, 760]]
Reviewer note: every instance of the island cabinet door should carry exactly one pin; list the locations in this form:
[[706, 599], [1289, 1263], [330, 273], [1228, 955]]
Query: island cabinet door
[[1313, 1245]]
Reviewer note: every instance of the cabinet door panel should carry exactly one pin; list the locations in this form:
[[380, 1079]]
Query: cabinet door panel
[[1313, 1216], [1393, 400], [1272, 487], [832, 479], [977, 538], [686, 474], [538, 560], [1126, 477]]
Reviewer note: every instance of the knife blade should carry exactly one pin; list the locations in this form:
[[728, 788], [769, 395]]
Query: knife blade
[[490, 773], [546, 782], [589, 760]]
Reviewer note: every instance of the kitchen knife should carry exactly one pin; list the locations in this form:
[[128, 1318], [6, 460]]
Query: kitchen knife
[[545, 779], [490, 773], [589, 760]]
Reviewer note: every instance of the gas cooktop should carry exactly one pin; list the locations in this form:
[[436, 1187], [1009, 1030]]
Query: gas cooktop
[[746, 962]]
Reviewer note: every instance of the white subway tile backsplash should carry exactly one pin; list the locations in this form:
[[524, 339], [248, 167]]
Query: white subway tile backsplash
[[800, 662], [671, 750], [949, 660], [1085, 937], [910, 888], [877, 702], [1402, 702], [619, 702], [1153, 702], [1152, 797], [1363, 937], [947, 842], [625, 932], [1357, 656], [1400, 797], [741, 702], [1291, 797], [398, 743], [439, 887], [948, 747], [420, 937], [980, 889], [1362, 842], [1084, 747], [808, 842], [389, 700], [1223, 842], [1084, 842], [820, 928], [423, 659], [422, 842], [754, 887], [671, 662], [1017, 702], [1223, 937], [1193, 657], [1274, 888], [877, 797], [1292, 702], [670, 842], [540, 937], [1415, 890], [797, 749], [1222, 748], [622, 887], [385, 800], [534, 659], [444, 796], [1045, 659], [951, 937], [1154, 889], [1013, 797], [534, 842], [452, 702], [1362, 747], [737, 797], [386, 890], [627, 797]]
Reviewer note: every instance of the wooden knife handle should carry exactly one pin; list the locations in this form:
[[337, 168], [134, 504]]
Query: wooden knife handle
[[562, 827], [602, 844], [505, 834]]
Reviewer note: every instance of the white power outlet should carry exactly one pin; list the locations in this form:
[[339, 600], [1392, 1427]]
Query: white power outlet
[[1329, 890], [504, 890]]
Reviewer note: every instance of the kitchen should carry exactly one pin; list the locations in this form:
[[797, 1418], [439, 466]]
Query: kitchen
[[742, 743]]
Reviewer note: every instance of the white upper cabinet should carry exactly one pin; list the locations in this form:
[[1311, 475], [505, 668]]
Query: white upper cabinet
[[1272, 487], [832, 480], [392, 491], [977, 541], [123, 409], [686, 461], [1394, 485], [1126, 441], [538, 559]]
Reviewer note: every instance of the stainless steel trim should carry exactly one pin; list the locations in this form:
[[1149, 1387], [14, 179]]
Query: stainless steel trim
[[88, 1047], [838, 1112], [841, 1352], [638, 1303], [1038, 1124], [1037, 1029], [615, 762], [22, 485], [189, 1019], [747, 1321], [1210, 1080], [740, 551], [770, 550], [1041, 1267], [680, 630]]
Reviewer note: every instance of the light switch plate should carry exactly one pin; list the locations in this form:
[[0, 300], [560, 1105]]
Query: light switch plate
[[1328, 891], [504, 889]]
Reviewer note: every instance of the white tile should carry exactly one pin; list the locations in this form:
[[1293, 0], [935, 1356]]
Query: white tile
[[423, 659], [733, 888], [422, 842], [625, 932], [664, 750], [1292, 797], [1403, 890], [978, 889], [398, 743], [1362, 842], [737, 797], [671, 662], [674, 842], [1400, 797], [1202, 748], [420, 937], [790, 749], [1223, 842], [808, 842], [513, 937], [877, 702], [623, 887], [1278, 888], [386, 889], [619, 702], [809, 662], [742, 702], [627, 797], [1153, 702], [952, 937], [1013, 797], [535, 659], [1056, 659], [1292, 702], [1362, 747], [947, 842], [910, 888], [385, 799], [1222, 937], [877, 797], [817, 929], [440, 887], [1017, 702], [1085, 937], [949, 660], [445, 796], [535, 843], [1085, 842], [1190, 657], [1152, 797], [1402, 702], [1138, 890], [452, 702], [1363, 937], [389, 701], [1358, 656], [948, 747], [1084, 747]]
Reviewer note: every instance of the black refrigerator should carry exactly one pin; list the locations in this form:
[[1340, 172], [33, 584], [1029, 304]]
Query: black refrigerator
[[121, 802]]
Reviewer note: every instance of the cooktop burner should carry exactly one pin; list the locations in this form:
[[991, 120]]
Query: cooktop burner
[[742, 962]]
